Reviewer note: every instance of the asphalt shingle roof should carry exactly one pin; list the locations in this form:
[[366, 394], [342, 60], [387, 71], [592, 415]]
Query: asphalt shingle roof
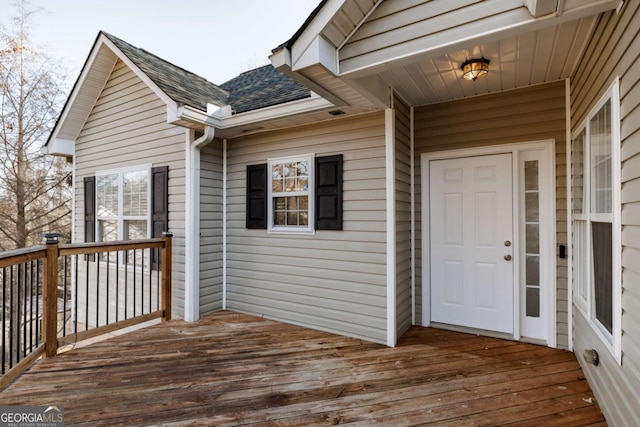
[[263, 87], [254, 89], [181, 85]]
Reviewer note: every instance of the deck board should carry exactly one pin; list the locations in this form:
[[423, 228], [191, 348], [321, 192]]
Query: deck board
[[233, 369]]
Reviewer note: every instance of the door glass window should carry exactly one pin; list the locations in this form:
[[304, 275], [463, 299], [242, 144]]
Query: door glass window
[[532, 238]]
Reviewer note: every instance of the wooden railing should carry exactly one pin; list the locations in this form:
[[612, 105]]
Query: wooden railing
[[56, 295]]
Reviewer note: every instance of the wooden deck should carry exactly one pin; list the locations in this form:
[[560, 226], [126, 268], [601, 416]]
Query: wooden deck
[[231, 369]]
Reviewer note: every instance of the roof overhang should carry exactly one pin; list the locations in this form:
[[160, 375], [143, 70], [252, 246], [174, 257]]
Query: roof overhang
[[349, 52]]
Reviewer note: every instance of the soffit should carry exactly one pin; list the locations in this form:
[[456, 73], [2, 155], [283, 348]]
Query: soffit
[[536, 57]]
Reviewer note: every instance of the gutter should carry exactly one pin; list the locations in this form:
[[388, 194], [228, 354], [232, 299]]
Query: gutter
[[192, 223]]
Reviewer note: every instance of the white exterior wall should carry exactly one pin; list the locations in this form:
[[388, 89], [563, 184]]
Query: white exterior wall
[[333, 280], [128, 127], [613, 51]]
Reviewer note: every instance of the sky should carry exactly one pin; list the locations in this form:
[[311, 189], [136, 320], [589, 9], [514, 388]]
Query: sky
[[216, 39]]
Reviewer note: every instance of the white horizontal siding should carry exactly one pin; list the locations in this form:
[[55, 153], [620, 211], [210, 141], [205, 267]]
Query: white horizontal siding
[[530, 114], [403, 215], [333, 280], [211, 205], [613, 51], [127, 127]]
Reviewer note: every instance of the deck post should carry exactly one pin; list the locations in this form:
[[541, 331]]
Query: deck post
[[50, 298], [166, 276]]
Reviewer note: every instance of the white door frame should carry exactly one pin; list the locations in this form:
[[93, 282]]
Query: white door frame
[[547, 242]]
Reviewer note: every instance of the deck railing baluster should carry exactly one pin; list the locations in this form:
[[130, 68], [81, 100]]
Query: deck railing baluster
[[134, 283], [64, 298], [11, 316], [75, 297], [126, 285], [4, 320], [39, 293], [107, 299]]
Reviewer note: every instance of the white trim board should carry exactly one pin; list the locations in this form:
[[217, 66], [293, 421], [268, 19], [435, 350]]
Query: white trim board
[[546, 146], [390, 147]]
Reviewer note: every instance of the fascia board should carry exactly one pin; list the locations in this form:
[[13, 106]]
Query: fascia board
[[188, 113], [78, 87], [539, 8], [320, 51], [302, 106], [321, 20], [60, 147]]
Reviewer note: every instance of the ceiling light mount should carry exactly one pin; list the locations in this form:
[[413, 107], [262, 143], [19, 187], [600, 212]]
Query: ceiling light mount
[[475, 69]]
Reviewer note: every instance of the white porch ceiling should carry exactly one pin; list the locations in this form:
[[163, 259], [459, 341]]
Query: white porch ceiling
[[536, 57]]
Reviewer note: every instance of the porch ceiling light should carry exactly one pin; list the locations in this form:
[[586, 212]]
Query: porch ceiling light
[[475, 69]]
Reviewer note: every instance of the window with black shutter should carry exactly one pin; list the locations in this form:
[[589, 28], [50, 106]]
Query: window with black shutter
[[295, 194]]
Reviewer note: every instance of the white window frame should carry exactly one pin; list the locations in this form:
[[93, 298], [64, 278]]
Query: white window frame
[[584, 267], [121, 218], [289, 229]]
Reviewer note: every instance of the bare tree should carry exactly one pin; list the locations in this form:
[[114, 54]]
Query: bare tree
[[34, 190]]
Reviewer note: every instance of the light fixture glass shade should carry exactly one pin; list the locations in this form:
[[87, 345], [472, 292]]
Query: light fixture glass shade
[[475, 69]]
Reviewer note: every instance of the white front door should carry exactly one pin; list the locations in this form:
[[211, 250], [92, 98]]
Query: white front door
[[471, 232]]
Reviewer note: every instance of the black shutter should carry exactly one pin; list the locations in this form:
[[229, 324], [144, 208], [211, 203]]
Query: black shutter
[[90, 209], [329, 192], [90, 212], [257, 196], [159, 208]]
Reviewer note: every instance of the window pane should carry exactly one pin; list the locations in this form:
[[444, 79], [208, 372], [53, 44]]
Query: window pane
[[532, 270], [133, 230], [601, 233], [135, 193], [291, 211], [577, 172], [532, 210], [531, 175], [107, 231], [107, 195], [533, 238], [533, 302], [600, 145]]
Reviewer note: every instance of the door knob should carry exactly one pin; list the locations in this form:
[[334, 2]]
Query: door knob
[[507, 243], [507, 257]]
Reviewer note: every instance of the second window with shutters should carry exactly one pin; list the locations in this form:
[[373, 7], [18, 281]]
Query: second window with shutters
[[298, 194]]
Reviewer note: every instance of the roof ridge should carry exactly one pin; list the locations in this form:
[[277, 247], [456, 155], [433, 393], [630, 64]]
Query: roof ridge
[[118, 39]]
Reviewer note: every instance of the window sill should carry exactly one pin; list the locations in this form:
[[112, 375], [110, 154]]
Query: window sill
[[291, 231]]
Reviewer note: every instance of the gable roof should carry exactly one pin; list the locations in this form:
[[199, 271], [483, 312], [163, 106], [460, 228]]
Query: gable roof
[[262, 87], [182, 86], [177, 87]]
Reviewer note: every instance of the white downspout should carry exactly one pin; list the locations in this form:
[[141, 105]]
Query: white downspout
[[192, 224]]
